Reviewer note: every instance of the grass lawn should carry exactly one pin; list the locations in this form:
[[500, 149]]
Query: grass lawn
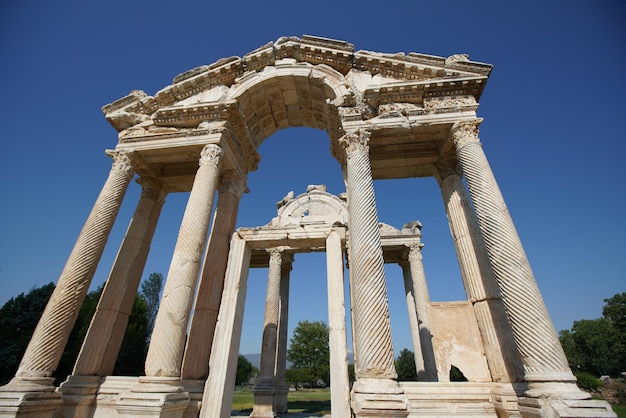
[[314, 401], [619, 410]]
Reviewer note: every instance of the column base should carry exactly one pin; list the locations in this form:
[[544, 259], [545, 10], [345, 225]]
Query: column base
[[29, 397], [561, 399], [280, 398], [79, 394], [379, 398], [162, 397], [195, 389], [264, 392]]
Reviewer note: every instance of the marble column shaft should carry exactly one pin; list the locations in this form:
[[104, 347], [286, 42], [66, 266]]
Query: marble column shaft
[[170, 330], [108, 325], [50, 337], [421, 300], [282, 388], [535, 337], [218, 390], [479, 281], [372, 333], [209, 294], [340, 381], [266, 385]]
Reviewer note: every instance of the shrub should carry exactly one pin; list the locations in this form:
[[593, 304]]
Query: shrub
[[587, 381]]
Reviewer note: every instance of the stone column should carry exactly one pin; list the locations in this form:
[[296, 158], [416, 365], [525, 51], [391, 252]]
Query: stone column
[[106, 332], [218, 390], [209, 295], [418, 297], [266, 385], [50, 337], [282, 388], [535, 337], [170, 329], [480, 284], [375, 388], [339, 378]]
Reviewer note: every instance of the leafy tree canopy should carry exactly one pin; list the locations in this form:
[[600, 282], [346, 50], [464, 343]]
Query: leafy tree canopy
[[308, 349], [598, 346], [405, 366]]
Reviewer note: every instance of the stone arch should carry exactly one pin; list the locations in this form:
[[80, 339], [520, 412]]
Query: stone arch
[[388, 116]]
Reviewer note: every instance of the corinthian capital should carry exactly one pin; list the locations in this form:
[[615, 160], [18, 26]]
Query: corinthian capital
[[121, 161], [446, 167], [232, 182], [465, 131], [356, 140], [211, 154], [153, 189]]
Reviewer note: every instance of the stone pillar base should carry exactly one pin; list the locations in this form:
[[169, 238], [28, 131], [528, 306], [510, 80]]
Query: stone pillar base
[[379, 398], [264, 400], [280, 399], [79, 394], [154, 397], [195, 389], [561, 399], [29, 397], [505, 397]]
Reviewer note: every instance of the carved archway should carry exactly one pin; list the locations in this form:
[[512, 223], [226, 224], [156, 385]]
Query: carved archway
[[387, 116]]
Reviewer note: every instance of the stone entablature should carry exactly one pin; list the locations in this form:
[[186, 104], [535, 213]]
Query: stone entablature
[[410, 100]]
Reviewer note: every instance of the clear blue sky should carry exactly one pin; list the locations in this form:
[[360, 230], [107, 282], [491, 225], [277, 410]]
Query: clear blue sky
[[553, 132]]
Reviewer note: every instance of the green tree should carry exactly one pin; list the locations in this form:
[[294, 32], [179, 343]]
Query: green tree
[[132, 356], [405, 366], [597, 346], [308, 350], [151, 294], [18, 318], [245, 370]]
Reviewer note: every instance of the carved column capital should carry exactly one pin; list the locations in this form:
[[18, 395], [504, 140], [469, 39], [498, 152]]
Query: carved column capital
[[153, 189], [276, 255], [211, 154], [232, 182], [121, 162], [465, 131], [446, 167], [356, 140]]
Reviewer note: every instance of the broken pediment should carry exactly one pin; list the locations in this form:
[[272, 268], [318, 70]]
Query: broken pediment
[[304, 73]]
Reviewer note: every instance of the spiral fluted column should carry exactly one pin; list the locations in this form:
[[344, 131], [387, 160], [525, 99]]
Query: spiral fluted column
[[266, 385], [417, 288], [170, 329], [479, 281], [533, 331], [106, 332], [48, 341], [282, 388], [375, 370], [209, 295]]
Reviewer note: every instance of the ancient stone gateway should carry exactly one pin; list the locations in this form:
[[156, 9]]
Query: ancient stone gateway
[[387, 116]]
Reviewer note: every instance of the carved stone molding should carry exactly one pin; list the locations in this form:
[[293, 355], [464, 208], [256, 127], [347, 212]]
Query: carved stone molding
[[446, 167]]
